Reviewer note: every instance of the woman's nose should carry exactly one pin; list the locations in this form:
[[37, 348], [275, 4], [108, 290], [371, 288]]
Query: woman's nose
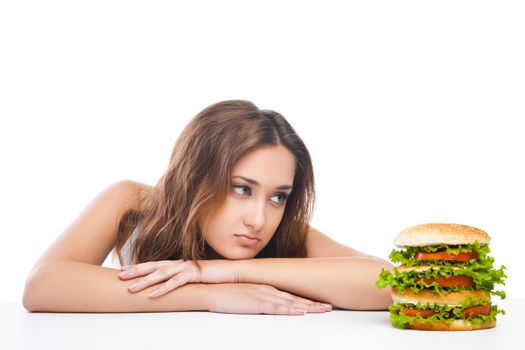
[[256, 216]]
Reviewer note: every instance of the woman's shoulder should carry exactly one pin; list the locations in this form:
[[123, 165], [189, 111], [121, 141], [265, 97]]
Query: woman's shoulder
[[132, 192], [140, 188]]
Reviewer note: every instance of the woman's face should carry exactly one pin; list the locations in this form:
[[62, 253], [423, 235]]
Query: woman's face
[[261, 181]]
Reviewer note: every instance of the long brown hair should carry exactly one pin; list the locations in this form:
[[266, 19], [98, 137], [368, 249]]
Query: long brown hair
[[198, 179]]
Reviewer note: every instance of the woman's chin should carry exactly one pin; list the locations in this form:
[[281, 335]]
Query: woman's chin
[[231, 253], [239, 254]]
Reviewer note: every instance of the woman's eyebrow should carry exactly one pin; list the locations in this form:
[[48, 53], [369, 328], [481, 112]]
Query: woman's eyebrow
[[255, 183]]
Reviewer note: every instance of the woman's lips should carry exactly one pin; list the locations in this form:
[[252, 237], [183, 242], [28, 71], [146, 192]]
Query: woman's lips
[[248, 239]]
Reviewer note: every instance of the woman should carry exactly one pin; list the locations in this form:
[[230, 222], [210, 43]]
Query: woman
[[224, 230]]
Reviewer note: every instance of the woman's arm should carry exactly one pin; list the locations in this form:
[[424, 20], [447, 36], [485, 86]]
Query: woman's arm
[[70, 286], [68, 277], [332, 272], [80, 287], [346, 282]]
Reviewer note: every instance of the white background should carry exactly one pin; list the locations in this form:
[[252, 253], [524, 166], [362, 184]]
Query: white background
[[411, 109]]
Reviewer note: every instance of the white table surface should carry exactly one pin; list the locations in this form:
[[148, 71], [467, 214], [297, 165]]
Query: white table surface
[[337, 329]]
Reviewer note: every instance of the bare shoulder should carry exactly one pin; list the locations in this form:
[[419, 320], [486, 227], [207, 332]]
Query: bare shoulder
[[320, 245], [139, 186], [130, 192], [91, 235]]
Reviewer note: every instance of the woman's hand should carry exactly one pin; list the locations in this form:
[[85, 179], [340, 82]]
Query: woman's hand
[[247, 298], [177, 273]]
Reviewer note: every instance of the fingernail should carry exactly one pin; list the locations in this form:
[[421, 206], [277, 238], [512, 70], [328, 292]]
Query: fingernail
[[154, 293], [134, 287], [299, 311], [123, 274], [319, 307]]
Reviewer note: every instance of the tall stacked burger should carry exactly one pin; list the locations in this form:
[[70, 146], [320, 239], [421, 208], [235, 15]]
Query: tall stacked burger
[[445, 281]]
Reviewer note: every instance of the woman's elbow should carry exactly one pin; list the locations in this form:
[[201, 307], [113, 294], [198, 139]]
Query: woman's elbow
[[29, 300], [32, 297]]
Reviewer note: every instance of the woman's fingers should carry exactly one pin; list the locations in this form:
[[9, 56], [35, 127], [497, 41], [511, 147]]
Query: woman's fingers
[[143, 269], [281, 309], [178, 273], [299, 302], [280, 302], [318, 308], [284, 308], [295, 298], [247, 298], [307, 307], [137, 270], [171, 284], [155, 277]]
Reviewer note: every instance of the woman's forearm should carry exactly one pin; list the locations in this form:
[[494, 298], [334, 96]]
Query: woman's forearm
[[78, 287], [344, 282]]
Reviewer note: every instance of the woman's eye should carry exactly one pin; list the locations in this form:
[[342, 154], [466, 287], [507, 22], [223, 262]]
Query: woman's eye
[[241, 189], [245, 190], [282, 198]]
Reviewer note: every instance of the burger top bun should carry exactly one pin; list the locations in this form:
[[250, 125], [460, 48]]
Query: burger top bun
[[435, 234]]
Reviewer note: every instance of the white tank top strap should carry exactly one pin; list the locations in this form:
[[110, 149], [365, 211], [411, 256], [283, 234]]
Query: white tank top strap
[[126, 249]]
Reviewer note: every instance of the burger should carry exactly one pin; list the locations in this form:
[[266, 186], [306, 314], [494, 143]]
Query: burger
[[445, 281]]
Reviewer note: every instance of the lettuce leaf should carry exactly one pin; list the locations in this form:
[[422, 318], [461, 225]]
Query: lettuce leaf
[[482, 270], [406, 256], [443, 313], [484, 279]]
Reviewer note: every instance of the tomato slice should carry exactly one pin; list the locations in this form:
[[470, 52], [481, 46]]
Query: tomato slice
[[468, 312], [477, 310], [415, 312], [452, 281], [446, 256]]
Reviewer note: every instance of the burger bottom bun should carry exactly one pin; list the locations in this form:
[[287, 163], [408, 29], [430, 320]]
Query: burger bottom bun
[[456, 325], [425, 296]]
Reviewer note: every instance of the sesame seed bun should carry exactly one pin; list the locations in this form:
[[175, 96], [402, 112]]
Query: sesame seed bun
[[435, 234]]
